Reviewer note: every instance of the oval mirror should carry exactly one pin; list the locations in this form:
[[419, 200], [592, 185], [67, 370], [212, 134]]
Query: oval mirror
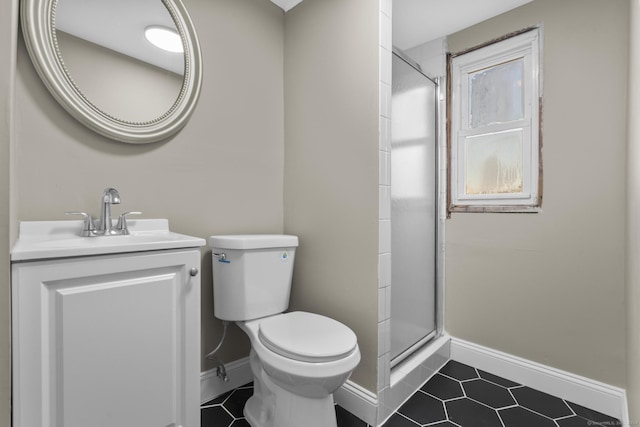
[[95, 59]]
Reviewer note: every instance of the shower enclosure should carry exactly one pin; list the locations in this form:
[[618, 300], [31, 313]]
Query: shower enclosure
[[414, 195]]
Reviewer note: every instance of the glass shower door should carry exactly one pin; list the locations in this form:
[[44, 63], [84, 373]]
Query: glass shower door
[[413, 209]]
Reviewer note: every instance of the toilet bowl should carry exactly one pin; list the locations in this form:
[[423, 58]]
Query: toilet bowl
[[298, 359], [295, 374]]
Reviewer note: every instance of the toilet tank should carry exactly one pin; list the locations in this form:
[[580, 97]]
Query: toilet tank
[[251, 274]]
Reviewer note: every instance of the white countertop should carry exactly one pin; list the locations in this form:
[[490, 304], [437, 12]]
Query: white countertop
[[61, 239]]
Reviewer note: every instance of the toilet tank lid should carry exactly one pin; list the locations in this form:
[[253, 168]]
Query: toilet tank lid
[[253, 241]]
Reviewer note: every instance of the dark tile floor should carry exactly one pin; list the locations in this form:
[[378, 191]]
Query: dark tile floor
[[226, 411], [460, 395], [457, 396]]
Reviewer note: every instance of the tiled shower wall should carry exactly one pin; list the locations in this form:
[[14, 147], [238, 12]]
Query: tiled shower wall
[[431, 58], [384, 246]]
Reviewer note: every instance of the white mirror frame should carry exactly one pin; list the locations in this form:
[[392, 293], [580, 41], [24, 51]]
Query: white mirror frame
[[38, 26]]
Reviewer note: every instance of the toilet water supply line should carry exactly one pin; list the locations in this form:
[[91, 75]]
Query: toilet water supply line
[[220, 370]]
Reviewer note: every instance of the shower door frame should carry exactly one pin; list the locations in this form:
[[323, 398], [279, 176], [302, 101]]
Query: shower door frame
[[438, 261]]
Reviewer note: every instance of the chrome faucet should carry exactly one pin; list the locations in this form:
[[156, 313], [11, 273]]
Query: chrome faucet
[[109, 196], [104, 225]]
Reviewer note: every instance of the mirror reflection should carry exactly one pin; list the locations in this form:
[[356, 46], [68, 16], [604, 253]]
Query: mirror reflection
[[103, 46]]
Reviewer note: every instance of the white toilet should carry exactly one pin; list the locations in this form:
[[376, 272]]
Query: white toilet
[[298, 359]]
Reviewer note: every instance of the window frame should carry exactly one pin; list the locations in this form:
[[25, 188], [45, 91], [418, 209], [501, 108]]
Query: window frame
[[525, 44]]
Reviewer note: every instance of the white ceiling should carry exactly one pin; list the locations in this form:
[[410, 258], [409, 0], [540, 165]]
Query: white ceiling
[[414, 22], [286, 4], [119, 25], [419, 21]]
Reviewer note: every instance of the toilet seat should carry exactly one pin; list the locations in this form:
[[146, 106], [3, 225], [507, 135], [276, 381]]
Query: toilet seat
[[307, 337]]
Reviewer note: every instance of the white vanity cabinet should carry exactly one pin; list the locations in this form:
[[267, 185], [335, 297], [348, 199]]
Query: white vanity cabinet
[[107, 340]]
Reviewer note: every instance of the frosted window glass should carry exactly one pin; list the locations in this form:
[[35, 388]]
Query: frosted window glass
[[496, 94], [494, 163]]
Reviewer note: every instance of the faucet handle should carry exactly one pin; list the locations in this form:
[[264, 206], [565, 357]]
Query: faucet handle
[[87, 227], [122, 222]]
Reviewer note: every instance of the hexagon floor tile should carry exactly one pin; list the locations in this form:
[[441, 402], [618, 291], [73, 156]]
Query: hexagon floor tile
[[226, 411], [474, 398], [457, 396]]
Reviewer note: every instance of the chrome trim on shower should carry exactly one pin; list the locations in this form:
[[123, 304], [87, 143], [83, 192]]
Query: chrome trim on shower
[[413, 64]]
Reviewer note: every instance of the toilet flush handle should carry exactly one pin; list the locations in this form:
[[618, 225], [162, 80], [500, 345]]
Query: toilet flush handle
[[222, 257]]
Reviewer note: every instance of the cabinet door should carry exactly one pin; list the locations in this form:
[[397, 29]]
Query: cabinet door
[[107, 341]]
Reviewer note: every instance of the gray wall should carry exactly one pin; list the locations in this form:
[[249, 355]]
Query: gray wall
[[633, 220], [331, 165], [550, 287], [222, 173], [8, 37]]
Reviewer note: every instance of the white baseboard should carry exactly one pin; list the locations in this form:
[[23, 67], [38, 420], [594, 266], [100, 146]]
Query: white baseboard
[[359, 401], [364, 404], [211, 386], [355, 399], [406, 378], [583, 391]]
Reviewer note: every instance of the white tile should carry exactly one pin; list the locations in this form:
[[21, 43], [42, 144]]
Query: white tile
[[384, 337], [382, 304], [384, 238], [385, 66], [386, 7], [387, 370], [380, 383], [383, 379], [385, 168], [385, 32], [384, 202], [387, 336], [385, 100], [387, 308], [385, 134], [385, 409], [384, 270], [397, 394]]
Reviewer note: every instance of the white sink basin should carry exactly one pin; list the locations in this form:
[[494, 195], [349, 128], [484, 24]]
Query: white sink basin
[[61, 239]]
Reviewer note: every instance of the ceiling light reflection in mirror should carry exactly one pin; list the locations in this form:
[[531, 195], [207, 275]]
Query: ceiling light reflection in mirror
[[164, 38], [103, 46]]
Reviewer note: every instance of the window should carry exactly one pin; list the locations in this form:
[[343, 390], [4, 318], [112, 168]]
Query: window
[[494, 137]]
